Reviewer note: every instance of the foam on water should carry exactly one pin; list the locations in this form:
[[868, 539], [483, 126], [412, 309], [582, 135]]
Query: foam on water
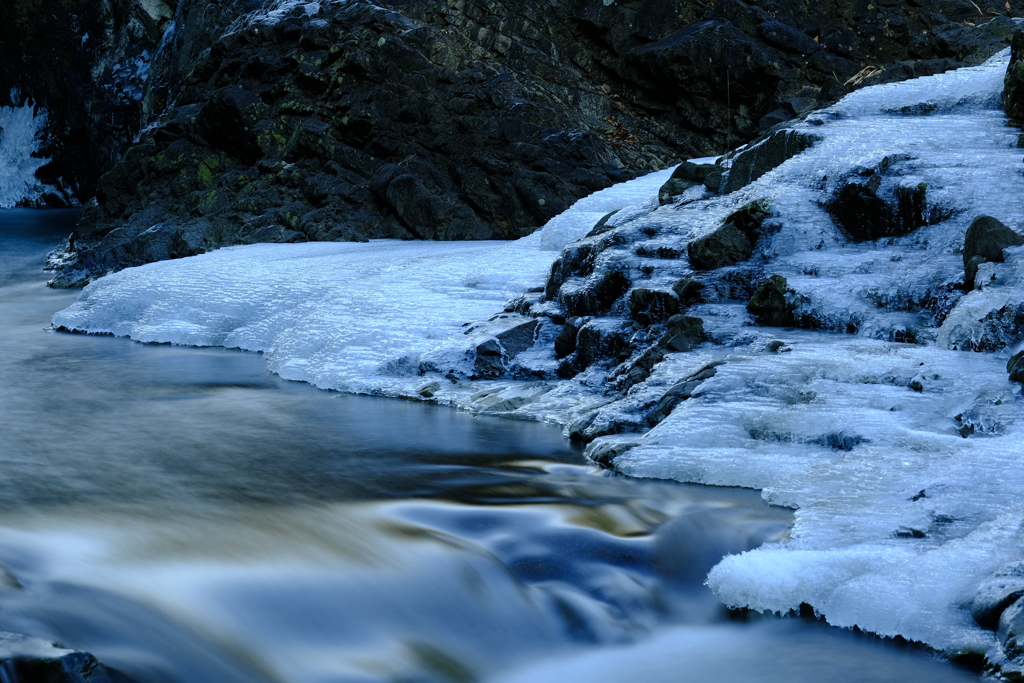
[[20, 131]]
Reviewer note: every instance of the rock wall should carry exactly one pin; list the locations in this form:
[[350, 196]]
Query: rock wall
[[470, 119]]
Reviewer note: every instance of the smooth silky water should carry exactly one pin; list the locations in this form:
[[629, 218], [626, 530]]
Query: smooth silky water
[[187, 516]]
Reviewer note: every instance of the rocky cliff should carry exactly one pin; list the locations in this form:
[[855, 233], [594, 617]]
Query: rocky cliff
[[455, 119]]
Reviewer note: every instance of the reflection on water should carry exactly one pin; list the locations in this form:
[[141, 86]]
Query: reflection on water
[[188, 517]]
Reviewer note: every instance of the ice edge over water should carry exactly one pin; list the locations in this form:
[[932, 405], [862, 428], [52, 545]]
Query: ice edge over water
[[901, 516]]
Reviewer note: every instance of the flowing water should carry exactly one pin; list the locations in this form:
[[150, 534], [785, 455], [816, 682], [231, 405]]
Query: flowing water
[[187, 516]]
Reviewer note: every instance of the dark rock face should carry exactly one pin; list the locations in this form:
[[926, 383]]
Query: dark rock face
[[462, 119], [984, 242]]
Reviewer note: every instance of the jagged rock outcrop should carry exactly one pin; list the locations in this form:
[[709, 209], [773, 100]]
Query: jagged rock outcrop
[[466, 119]]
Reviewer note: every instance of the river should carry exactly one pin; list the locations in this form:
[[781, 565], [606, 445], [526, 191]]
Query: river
[[187, 516]]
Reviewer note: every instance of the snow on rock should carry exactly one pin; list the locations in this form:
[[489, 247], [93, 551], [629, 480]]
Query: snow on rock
[[903, 461], [20, 132]]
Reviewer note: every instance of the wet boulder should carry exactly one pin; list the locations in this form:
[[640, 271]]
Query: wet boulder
[[984, 243], [731, 242], [761, 157], [689, 291], [649, 306], [637, 369], [1011, 630], [686, 175], [774, 303], [1015, 366], [579, 259], [565, 342], [1013, 83], [863, 214], [605, 339], [593, 295], [682, 333], [494, 355]]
